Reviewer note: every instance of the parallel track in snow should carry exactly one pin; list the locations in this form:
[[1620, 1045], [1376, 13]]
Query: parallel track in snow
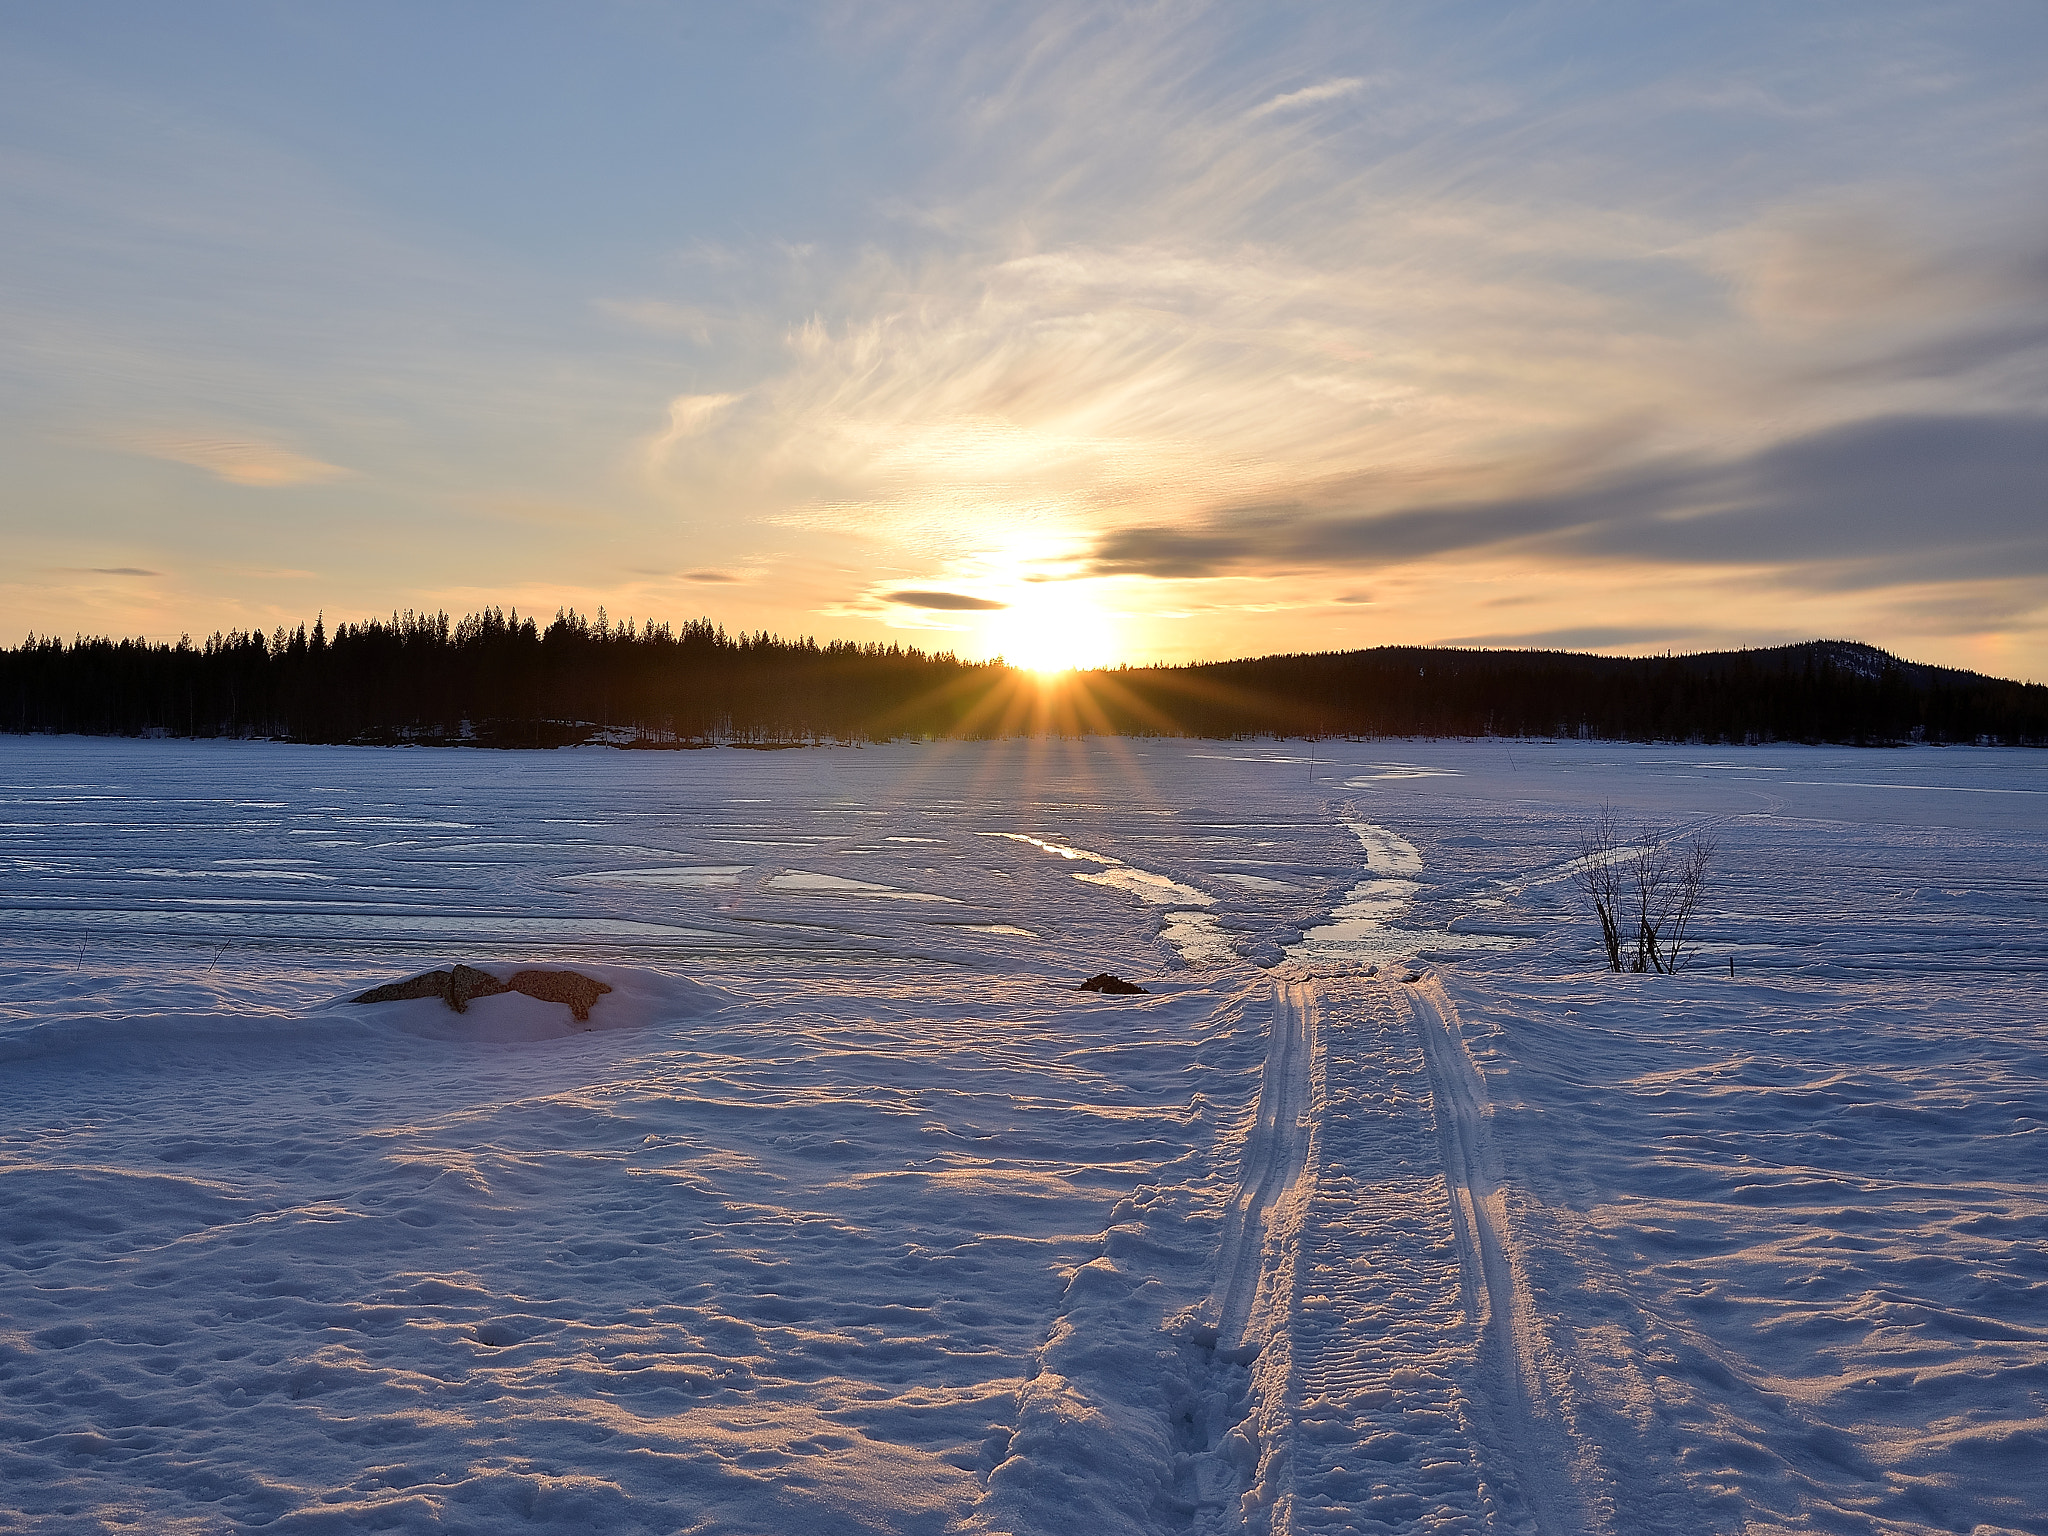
[[1263, 1213], [1339, 1280], [1533, 1456]]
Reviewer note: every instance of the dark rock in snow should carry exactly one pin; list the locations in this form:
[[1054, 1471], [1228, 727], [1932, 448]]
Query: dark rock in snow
[[571, 987], [466, 982], [1104, 982], [433, 984], [457, 987]]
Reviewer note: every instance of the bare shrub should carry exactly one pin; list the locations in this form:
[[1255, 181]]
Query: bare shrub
[[1598, 877], [1690, 881], [1645, 890]]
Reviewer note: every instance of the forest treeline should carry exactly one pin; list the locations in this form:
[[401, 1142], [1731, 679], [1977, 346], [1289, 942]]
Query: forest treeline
[[496, 679]]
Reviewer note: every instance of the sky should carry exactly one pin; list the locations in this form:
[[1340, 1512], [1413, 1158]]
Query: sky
[[1071, 333]]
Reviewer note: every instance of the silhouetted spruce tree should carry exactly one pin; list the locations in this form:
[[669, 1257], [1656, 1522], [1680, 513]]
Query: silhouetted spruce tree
[[496, 678]]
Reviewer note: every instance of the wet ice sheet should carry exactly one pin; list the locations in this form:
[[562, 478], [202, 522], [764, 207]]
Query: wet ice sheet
[[1371, 926]]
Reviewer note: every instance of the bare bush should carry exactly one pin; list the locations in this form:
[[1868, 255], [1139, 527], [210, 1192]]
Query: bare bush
[[1645, 891], [1689, 884], [1598, 876]]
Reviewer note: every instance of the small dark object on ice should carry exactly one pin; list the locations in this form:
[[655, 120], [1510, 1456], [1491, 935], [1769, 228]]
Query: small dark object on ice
[[1104, 982], [457, 987]]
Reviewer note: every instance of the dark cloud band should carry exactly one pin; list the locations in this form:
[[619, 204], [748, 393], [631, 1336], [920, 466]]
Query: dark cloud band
[[1890, 489], [951, 602]]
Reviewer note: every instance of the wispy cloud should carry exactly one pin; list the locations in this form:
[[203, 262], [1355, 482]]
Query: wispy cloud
[[1244, 348], [1309, 96], [1599, 637], [237, 460], [688, 416]]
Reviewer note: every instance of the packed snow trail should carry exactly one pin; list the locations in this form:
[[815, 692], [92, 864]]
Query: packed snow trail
[[1325, 1382], [1266, 1212], [1537, 1452], [1339, 1285]]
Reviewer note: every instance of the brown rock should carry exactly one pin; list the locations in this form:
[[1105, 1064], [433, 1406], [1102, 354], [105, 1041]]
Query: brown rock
[[433, 984], [465, 982], [455, 988], [1104, 982], [571, 987]]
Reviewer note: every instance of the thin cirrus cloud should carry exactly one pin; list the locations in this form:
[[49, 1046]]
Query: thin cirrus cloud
[[1584, 637], [1309, 96], [1238, 353], [238, 461]]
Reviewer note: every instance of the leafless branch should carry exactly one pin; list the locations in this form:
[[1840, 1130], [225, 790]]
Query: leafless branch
[[1598, 847], [1645, 891], [1691, 884]]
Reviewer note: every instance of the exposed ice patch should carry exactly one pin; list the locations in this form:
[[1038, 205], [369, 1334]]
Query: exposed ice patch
[[1371, 905], [231, 874], [689, 877], [1255, 882], [1386, 771], [1384, 852], [1156, 890], [1364, 927], [414, 821], [1060, 849], [1197, 936], [811, 883]]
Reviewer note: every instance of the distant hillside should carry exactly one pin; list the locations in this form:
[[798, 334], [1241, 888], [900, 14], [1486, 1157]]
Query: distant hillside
[[1822, 690], [498, 680]]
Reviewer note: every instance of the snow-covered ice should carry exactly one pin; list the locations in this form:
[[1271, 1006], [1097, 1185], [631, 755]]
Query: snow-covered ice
[[1384, 1210]]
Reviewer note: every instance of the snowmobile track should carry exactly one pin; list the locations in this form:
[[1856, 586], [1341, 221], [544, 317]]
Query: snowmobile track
[[1526, 1427], [1275, 1160], [1356, 1415]]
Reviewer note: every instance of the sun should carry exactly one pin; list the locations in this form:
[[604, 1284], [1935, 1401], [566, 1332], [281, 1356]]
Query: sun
[[1053, 629]]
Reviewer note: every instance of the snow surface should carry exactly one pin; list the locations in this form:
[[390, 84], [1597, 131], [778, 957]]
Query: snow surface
[[1384, 1210]]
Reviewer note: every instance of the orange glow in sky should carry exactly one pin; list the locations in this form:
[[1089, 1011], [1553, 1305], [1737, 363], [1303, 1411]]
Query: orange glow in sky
[[1074, 334]]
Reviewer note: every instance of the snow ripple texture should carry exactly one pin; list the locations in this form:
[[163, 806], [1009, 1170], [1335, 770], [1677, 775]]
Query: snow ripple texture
[[1385, 1210]]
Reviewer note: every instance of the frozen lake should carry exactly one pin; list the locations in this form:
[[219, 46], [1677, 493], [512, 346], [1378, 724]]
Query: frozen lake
[[1385, 1210]]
